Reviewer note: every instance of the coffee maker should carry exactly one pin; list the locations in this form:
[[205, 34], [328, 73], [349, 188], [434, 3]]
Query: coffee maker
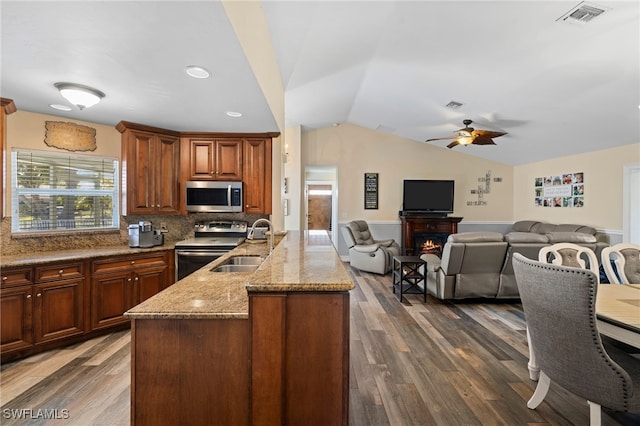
[[141, 235]]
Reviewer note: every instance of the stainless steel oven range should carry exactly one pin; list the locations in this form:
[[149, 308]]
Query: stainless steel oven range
[[210, 241]]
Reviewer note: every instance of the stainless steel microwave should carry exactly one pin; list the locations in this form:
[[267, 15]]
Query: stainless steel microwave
[[213, 196]]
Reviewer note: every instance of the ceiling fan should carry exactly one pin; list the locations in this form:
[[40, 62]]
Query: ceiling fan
[[469, 136]]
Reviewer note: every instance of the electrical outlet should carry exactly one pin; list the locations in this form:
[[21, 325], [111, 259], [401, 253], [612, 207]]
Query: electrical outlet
[[163, 225]]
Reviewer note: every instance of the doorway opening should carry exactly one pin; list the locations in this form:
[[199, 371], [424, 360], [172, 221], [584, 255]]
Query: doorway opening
[[321, 201]]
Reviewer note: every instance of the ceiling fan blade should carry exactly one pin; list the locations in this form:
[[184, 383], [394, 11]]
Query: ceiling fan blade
[[443, 138], [454, 143], [483, 141], [488, 134]]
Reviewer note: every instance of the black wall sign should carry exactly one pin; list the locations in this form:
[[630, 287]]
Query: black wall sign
[[371, 191]]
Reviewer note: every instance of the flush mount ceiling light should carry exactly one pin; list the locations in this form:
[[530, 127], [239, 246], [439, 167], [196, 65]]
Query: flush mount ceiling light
[[196, 71], [60, 107], [79, 95], [234, 114]]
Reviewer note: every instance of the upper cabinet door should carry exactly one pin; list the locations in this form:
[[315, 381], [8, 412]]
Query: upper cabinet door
[[167, 175], [228, 159], [215, 159], [152, 173], [257, 176]]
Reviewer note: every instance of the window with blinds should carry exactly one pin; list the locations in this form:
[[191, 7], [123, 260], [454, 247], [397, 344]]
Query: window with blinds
[[63, 192]]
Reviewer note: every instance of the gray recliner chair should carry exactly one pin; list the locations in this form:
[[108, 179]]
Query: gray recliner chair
[[470, 267], [367, 253]]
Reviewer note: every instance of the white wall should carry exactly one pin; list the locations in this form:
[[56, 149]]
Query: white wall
[[355, 151], [603, 176]]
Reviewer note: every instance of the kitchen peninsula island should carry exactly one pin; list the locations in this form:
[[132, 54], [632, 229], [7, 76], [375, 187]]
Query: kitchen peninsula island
[[247, 348]]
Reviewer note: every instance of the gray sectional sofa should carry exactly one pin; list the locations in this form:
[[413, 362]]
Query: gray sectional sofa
[[479, 264]]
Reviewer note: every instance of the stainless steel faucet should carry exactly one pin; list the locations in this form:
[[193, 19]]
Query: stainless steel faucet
[[253, 227]]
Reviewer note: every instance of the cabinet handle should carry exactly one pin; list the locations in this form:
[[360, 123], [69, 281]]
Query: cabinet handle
[[39, 294], [61, 271], [158, 206], [129, 280], [28, 296], [136, 278], [4, 278], [133, 261]]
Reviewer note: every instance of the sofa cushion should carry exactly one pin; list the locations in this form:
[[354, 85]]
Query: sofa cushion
[[543, 228], [475, 237], [525, 237], [523, 225], [571, 237]]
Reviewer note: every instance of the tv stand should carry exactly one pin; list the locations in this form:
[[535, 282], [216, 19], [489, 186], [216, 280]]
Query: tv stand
[[421, 213], [416, 223]]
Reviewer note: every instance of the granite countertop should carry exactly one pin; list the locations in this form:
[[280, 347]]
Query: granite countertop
[[76, 254], [298, 263]]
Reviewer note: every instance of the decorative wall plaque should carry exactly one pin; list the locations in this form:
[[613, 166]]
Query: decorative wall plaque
[[70, 136], [483, 189], [371, 191]]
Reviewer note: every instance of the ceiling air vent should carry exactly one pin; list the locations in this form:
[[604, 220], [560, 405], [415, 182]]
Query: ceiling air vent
[[454, 105], [582, 13]]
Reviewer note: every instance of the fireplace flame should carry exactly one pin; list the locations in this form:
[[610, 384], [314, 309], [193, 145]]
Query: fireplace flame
[[432, 247]]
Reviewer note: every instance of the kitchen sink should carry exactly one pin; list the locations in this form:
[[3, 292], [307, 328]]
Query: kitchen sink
[[235, 268], [239, 264], [244, 260]]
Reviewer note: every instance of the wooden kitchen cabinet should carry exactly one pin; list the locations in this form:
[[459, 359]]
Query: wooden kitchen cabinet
[[120, 283], [50, 309], [16, 309], [6, 107], [256, 175], [151, 168], [214, 158], [58, 301]]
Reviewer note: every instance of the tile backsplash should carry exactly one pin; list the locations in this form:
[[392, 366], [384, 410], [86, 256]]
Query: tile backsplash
[[178, 227]]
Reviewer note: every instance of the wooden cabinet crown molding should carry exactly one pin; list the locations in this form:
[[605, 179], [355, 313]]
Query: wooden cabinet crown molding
[[209, 135], [127, 125], [8, 105]]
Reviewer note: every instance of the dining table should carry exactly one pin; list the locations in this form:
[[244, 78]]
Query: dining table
[[617, 315], [618, 312]]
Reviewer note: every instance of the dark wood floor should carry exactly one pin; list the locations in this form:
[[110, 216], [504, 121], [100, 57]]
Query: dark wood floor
[[411, 364]]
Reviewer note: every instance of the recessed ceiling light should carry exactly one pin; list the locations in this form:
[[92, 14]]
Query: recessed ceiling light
[[234, 114], [197, 72], [60, 107]]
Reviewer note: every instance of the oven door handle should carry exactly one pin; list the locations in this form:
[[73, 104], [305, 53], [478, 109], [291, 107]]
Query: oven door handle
[[201, 253]]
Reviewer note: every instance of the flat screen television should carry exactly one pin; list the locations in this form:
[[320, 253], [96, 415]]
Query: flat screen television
[[428, 196]]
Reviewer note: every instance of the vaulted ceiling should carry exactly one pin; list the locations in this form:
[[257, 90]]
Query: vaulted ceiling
[[558, 87]]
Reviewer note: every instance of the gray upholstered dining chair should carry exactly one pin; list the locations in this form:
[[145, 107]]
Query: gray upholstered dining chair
[[621, 263], [570, 254], [367, 253], [559, 305]]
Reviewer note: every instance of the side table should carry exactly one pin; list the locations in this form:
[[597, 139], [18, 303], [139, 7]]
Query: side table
[[407, 274]]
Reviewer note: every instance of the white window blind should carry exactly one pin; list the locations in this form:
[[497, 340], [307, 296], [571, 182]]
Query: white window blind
[[62, 192]]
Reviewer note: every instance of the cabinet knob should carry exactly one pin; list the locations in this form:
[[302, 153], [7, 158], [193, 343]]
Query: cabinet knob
[[158, 206], [133, 261], [61, 271], [39, 294], [4, 278], [28, 296], [129, 280], [136, 278]]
